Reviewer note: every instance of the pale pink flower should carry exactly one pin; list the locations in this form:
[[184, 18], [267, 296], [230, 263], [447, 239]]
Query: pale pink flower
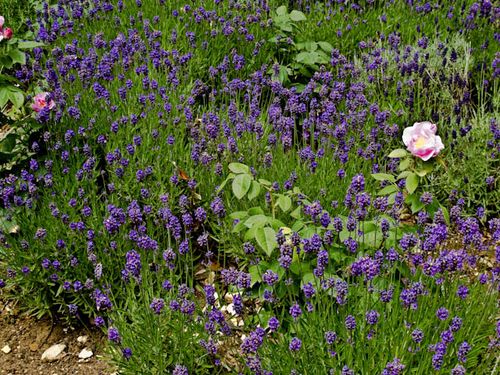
[[40, 102], [2, 20], [422, 141]]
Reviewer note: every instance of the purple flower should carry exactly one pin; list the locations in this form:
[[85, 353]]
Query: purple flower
[[253, 342], [295, 344], [180, 370], [442, 313], [273, 324], [295, 311], [114, 335], [350, 322], [463, 350], [217, 207], [417, 335], [270, 277], [372, 317], [394, 368], [462, 292], [127, 353], [157, 305], [458, 370], [99, 321], [330, 337]]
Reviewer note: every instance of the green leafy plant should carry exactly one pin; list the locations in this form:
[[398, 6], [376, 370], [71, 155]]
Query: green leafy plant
[[16, 121], [414, 173], [301, 58]]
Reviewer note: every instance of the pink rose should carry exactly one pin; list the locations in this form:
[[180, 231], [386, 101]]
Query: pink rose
[[2, 20], [7, 33], [40, 102], [422, 141]]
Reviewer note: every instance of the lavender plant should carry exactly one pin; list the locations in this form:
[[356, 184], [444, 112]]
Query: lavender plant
[[211, 218]]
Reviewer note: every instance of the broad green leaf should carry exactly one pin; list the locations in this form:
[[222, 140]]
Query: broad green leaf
[[16, 97], [308, 278], [264, 182], [297, 226], [276, 224], [17, 56], [4, 96], [241, 185], [344, 235], [309, 58], [255, 211], [297, 16], [383, 177], [325, 46], [368, 226], [250, 233], [307, 232], [412, 182], [426, 168], [8, 143], [446, 214], [373, 239], [256, 220], [228, 178], [283, 74], [286, 27], [388, 190], [254, 190], [402, 175], [416, 206], [310, 46], [284, 202], [266, 238], [238, 215], [239, 168], [297, 213], [281, 11], [239, 227], [398, 153], [404, 164], [29, 44], [254, 274]]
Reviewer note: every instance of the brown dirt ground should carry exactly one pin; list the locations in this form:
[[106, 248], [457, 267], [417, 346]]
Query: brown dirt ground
[[28, 338]]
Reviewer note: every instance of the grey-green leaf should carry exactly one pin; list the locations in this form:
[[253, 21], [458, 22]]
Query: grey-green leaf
[[266, 238], [398, 153], [17, 56], [254, 190], [383, 177], [297, 16], [29, 44], [239, 168], [412, 182], [241, 185], [284, 202], [280, 11]]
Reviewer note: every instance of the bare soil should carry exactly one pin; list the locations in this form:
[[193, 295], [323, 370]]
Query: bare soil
[[28, 338]]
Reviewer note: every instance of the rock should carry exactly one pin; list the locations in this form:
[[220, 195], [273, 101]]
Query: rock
[[6, 349], [53, 353], [82, 339], [34, 346], [85, 353]]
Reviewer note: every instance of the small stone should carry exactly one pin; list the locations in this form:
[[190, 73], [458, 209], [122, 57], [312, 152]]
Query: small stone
[[85, 353], [82, 339], [6, 349], [34, 346], [53, 353]]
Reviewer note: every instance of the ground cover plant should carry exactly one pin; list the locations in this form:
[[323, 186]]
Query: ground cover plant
[[263, 187]]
